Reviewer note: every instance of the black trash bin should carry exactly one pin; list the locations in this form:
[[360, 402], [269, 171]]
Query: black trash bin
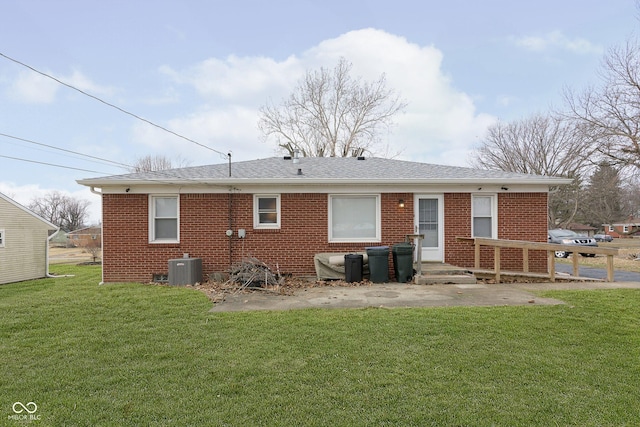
[[403, 262], [353, 267], [378, 263]]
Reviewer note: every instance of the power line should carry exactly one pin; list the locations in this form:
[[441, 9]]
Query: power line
[[52, 164], [67, 151], [166, 173], [110, 104]]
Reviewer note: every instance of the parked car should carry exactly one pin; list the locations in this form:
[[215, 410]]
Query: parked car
[[603, 238], [568, 237]]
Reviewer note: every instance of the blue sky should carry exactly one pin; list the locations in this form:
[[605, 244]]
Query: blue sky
[[204, 68]]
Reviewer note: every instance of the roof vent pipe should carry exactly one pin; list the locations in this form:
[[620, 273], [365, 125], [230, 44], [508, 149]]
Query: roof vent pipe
[[299, 171]]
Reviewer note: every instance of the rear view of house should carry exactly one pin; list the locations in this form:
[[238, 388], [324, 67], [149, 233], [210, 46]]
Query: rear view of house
[[284, 211], [23, 242]]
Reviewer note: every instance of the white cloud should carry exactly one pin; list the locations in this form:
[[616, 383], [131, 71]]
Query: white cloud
[[78, 80], [230, 129], [505, 100], [440, 123], [236, 77], [557, 40], [33, 88]]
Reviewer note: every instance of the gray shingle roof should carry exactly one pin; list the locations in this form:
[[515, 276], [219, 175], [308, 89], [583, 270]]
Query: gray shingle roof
[[324, 169]]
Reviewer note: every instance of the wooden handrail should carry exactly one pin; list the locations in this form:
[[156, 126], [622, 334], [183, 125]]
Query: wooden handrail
[[549, 247]]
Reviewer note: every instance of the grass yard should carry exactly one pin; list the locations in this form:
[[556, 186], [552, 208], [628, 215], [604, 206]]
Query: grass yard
[[132, 354], [628, 251]]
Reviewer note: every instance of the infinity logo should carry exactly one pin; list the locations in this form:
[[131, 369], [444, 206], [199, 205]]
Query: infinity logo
[[30, 407]]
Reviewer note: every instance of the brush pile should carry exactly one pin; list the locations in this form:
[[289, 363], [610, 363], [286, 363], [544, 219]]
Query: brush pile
[[253, 273]]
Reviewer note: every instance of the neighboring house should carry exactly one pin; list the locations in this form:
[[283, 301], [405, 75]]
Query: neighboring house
[[627, 228], [585, 230], [24, 243], [87, 236], [283, 211]]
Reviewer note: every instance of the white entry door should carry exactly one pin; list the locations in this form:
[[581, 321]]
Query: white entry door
[[429, 217]]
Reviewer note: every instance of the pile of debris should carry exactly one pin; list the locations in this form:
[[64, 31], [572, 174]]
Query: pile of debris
[[253, 273]]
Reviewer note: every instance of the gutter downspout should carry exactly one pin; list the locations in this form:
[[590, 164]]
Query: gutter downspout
[[99, 193], [47, 274], [46, 256]]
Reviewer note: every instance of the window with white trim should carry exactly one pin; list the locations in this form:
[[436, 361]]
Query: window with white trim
[[266, 211], [611, 228], [2, 237], [164, 220], [625, 228], [354, 218], [484, 216]]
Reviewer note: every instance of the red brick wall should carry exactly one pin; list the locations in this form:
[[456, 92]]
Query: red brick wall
[[128, 255], [522, 216]]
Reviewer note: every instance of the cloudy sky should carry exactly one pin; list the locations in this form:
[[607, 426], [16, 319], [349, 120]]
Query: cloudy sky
[[203, 68]]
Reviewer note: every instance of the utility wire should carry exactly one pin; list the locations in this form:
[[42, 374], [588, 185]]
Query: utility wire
[[166, 173], [123, 165], [110, 104], [51, 164]]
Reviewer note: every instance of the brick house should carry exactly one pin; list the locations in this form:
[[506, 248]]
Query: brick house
[[626, 228], [86, 236], [584, 229], [283, 211]]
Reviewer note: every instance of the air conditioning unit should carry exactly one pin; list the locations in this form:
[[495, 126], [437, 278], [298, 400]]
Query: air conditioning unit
[[185, 271]]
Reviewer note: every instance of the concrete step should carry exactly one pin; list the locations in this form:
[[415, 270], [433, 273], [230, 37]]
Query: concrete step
[[441, 279]]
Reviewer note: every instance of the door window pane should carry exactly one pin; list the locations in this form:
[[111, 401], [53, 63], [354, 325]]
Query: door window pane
[[428, 222]]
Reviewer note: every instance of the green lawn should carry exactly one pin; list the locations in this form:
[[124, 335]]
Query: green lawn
[[132, 354]]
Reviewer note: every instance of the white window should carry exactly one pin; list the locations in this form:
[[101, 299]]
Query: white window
[[625, 229], [2, 238], [266, 211], [484, 216], [354, 218], [611, 228], [164, 225]]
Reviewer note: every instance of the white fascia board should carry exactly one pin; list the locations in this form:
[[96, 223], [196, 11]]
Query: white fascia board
[[101, 183], [350, 187]]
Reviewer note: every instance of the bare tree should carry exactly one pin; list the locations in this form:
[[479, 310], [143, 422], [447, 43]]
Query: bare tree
[[631, 196], [541, 145], [66, 212], [157, 163], [331, 114], [93, 247], [603, 197], [610, 112]]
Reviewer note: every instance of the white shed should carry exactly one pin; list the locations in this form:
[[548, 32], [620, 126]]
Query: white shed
[[24, 242]]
